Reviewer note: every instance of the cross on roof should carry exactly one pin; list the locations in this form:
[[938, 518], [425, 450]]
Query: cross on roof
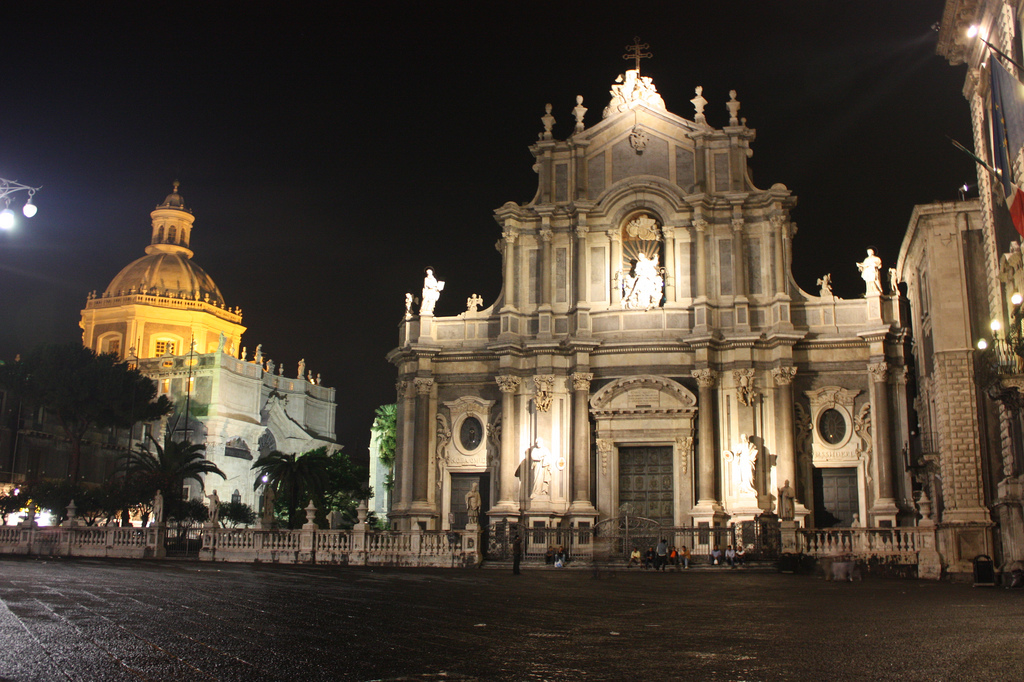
[[636, 51]]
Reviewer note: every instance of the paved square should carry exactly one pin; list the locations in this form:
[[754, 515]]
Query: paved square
[[119, 620]]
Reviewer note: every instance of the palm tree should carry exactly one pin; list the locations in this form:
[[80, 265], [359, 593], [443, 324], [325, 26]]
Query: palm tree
[[173, 464], [294, 474]]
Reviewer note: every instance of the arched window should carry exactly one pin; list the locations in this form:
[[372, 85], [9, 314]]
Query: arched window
[[172, 235], [159, 234]]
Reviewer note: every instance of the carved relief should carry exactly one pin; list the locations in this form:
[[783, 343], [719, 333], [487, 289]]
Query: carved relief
[[646, 395], [544, 396], [494, 440], [745, 392], [832, 425], [423, 385], [604, 453], [879, 372], [467, 436], [684, 449]]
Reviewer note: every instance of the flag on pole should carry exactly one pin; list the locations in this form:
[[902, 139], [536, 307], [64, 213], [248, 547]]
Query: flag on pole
[[1008, 136]]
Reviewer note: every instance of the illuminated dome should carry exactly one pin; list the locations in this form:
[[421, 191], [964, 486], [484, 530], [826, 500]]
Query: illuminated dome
[[166, 274]]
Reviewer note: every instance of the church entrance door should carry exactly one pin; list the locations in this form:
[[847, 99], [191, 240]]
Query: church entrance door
[[461, 484], [645, 482], [835, 496]]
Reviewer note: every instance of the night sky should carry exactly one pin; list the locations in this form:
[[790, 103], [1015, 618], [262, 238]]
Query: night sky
[[330, 153]]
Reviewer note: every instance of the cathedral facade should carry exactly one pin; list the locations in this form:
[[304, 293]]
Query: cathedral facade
[[164, 314], [650, 352]]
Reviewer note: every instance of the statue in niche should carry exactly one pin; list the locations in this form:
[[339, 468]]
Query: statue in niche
[[744, 458], [432, 288], [869, 272], [578, 112], [825, 283], [643, 289], [543, 461], [473, 504], [699, 103]]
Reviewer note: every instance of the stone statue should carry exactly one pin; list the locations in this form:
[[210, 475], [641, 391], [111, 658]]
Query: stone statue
[[578, 111], [744, 458], [318, 378], [869, 269], [408, 306], [542, 463], [158, 506], [302, 368], [548, 120], [432, 288], [473, 303], [787, 499], [826, 286], [699, 103], [270, 366], [214, 507], [643, 289], [245, 352], [220, 342], [280, 370], [258, 354], [745, 392], [894, 284], [733, 106], [473, 504], [269, 496]]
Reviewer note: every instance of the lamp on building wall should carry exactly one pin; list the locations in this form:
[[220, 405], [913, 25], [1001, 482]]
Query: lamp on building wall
[[975, 32], [7, 188]]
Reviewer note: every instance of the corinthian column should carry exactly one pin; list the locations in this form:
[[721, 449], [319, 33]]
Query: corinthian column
[[708, 509], [787, 468], [884, 509], [581, 442], [509, 235], [508, 385], [421, 456]]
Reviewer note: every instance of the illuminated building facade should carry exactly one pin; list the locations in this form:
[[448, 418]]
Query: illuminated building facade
[[650, 351]]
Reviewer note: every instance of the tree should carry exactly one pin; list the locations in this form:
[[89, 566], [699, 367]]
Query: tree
[[346, 486], [168, 468], [237, 514], [294, 475], [83, 390], [384, 431]]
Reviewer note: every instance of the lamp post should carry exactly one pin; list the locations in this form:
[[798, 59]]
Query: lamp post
[[7, 188]]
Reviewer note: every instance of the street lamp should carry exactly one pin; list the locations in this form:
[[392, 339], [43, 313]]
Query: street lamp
[[975, 32], [7, 188]]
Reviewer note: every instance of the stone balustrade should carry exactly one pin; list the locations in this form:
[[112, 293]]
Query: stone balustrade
[[359, 547]]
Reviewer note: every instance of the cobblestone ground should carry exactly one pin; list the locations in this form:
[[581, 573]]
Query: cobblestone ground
[[112, 620]]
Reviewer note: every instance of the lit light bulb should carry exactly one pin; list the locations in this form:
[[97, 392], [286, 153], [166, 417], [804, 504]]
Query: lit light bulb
[[972, 31], [6, 219], [1017, 299], [29, 209], [995, 326], [982, 344]]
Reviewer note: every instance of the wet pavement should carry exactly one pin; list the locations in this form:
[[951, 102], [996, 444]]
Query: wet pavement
[[119, 620]]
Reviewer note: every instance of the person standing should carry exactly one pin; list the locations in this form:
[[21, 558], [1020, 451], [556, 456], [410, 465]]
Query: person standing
[[662, 555], [517, 554]]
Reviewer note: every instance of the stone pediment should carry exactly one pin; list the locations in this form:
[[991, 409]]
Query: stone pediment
[[643, 395]]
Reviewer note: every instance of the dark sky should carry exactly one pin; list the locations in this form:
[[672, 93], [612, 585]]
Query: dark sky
[[330, 153]]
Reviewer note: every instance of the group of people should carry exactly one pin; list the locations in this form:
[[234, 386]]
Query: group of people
[[660, 557], [731, 557], [556, 557], [664, 555]]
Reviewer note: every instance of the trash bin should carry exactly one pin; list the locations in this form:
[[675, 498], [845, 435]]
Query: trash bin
[[789, 563], [984, 571]]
